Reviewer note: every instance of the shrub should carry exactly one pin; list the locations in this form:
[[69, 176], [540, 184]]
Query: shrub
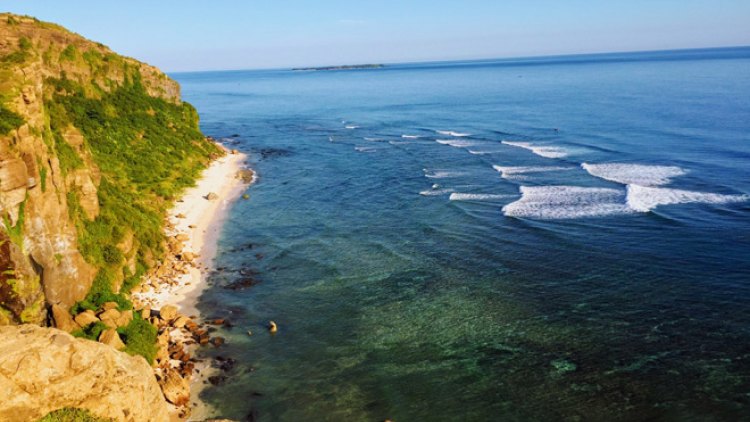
[[69, 54], [100, 293], [15, 57], [72, 415], [140, 338], [25, 44], [16, 232], [9, 120], [91, 331]]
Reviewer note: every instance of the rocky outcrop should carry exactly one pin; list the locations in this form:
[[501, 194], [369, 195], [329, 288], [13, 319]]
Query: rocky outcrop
[[45, 369], [41, 260]]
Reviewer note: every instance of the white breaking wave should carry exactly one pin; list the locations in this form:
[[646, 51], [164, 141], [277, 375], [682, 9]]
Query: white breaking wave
[[434, 192], [352, 127], [411, 136], [452, 133], [544, 151], [645, 199], [566, 202], [637, 174], [476, 197], [520, 171], [483, 152], [365, 149], [371, 139], [455, 143]]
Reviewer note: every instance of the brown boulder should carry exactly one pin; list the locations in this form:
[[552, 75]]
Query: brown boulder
[[63, 319], [175, 388], [212, 196], [111, 338], [168, 312], [45, 369], [109, 305], [125, 318], [109, 314], [85, 318], [180, 322], [188, 256]]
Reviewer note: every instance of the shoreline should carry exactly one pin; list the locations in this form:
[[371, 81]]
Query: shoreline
[[195, 222]]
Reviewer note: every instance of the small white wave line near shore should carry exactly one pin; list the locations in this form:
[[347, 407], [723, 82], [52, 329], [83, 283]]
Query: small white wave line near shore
[[546, 151]]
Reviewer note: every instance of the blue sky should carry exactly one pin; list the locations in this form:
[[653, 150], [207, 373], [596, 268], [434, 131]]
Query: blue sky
[[198, 35]]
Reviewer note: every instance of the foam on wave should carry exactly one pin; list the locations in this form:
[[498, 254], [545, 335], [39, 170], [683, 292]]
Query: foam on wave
[[455, 143], [352, 127], [646, 198], [365, 149], [518, 172], [477, 197], [637, 174], [434, 192], [452, 133], [411, 136], [543, 151], [566, 202]]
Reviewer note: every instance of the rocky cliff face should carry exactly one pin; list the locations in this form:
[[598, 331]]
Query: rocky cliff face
[[42, 370], [42, 260]]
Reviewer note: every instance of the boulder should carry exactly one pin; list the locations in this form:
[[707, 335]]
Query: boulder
[[63, 319], [109, 314], [125, 318], [85, 319], [175, 388], [212, 196], [110, 317], [111, 338], [182, 237], [188, 256], [45, 369], [110, 305], [168, 312], [180, 322]]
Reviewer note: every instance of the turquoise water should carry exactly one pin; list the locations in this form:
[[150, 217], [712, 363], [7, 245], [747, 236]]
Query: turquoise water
[[432, 249]]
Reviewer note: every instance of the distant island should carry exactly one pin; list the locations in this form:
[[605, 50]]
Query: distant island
[[348, 67]]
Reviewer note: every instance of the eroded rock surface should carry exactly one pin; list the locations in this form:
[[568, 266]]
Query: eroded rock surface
[[45, 369]]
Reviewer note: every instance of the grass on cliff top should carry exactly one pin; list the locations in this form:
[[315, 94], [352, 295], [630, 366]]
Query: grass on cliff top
[[72, 415]]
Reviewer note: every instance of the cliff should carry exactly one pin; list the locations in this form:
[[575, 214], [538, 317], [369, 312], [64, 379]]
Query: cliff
[[93, 146]]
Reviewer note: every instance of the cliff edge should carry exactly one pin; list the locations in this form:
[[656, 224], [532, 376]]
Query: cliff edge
[[93, 146]]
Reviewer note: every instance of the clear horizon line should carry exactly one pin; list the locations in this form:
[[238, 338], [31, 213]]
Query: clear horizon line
[[466, 59]]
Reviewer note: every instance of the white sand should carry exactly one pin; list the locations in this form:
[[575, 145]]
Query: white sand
[[207, 217]]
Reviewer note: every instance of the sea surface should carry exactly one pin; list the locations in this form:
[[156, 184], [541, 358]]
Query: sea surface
[[546, 239]]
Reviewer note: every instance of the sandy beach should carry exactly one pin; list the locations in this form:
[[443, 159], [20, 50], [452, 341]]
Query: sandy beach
[[196, 220], [200, 219]]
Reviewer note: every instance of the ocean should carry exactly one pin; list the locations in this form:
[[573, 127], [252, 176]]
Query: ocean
[[546, 239]]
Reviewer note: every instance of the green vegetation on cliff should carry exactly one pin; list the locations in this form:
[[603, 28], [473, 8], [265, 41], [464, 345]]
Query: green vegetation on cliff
[[94, 147], [147, 149], [9, 120]]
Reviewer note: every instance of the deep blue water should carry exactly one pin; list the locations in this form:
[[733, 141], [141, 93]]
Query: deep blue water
[[432, 249]]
